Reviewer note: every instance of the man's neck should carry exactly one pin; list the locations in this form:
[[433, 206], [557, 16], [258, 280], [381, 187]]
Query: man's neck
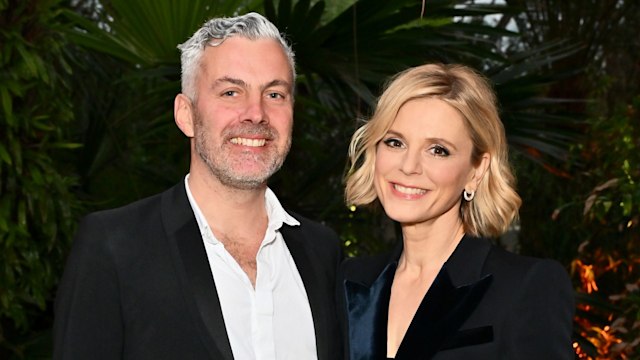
[[237, 217], [230, 210]]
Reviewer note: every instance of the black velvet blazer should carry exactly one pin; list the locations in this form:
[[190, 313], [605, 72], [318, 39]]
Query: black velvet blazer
[[485, 303], [138, 285]]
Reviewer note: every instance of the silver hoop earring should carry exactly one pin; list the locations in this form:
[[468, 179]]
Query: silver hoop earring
[[468, 195]]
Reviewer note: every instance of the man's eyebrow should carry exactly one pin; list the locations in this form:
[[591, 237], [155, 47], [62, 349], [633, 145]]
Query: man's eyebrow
[[226, 79], [242, 83], [277, 82]]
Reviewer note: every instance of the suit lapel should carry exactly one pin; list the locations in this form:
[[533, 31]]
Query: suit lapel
[[454, 295], [368, 307], [443, 310], [367, 291], [466, 263], [297, 239], [193, 266]]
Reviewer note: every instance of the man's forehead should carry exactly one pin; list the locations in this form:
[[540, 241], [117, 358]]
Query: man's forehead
[[238, 50], [239, 44]]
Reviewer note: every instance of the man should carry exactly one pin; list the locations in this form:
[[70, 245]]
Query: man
[[213, 268]]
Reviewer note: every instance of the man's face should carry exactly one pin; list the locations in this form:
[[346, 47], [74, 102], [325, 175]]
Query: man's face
[[243, 114]]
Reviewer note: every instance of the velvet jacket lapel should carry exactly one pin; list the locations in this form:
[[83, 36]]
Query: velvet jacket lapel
[[296, 239], [367, 303], [455, 293], [193, 268]]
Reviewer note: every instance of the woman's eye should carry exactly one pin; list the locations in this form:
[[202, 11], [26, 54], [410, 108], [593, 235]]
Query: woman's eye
[[393, 143], [439, 150]]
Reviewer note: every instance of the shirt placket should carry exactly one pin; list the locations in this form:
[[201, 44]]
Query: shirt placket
[[263, 302]]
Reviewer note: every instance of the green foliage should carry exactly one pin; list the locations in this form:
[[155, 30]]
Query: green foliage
[[591, 220], [118, 107], [136, 31], [37, 206], [585, 212], [610, 229]]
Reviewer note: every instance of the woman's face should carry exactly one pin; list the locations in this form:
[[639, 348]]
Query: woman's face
[[423, 163]]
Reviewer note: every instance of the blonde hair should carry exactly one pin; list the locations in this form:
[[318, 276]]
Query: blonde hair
[[495, 205]]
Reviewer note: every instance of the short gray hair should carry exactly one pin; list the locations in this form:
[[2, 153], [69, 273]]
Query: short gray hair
[[252, 26]]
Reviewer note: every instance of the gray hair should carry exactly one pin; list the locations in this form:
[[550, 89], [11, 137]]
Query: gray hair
[[252, 26]]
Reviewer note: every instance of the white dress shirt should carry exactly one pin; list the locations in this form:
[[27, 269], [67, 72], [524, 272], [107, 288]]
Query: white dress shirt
[[272, 320]]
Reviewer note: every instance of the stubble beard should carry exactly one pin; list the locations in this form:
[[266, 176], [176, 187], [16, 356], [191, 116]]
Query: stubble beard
[[223, 163]]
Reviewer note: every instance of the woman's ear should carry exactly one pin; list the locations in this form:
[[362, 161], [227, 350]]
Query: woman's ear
[[183, 114], [478, 172]]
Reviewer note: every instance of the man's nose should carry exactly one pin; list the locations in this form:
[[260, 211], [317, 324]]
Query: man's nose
[[255, 111]]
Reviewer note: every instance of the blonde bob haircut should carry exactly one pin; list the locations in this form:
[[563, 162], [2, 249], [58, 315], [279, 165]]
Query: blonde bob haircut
[[495, 205]]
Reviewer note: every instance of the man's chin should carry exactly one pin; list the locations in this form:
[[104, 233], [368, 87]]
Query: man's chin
[[244, 182], [245, 176]]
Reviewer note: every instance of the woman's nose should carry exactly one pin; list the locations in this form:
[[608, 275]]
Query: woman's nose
[[411, 163]]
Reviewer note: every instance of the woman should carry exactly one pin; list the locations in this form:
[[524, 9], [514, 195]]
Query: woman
[[434, 155]]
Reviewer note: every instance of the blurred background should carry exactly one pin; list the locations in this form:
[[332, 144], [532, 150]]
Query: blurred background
[[86, 123]]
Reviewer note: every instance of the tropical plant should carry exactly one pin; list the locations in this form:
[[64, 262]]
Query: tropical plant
[[584, 206], [604, 215], [126, 74], [38, 208]]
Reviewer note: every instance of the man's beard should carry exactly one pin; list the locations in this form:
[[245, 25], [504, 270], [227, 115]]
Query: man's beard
[[223, 163]]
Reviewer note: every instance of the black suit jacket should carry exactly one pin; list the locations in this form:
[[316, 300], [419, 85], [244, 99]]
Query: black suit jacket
[[485, 303], [138, 285]]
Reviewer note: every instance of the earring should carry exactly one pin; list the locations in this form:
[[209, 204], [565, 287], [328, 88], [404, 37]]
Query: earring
[[468, 195]]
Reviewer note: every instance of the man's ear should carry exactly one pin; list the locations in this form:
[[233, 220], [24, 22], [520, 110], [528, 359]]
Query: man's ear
[[478, 172], [183, 114]]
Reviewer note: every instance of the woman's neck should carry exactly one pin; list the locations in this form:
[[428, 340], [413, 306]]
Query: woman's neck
[[428, 246]]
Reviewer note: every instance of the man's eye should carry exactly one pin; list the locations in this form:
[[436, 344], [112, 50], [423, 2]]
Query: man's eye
[[275, 95], [439, 150], [230, 93], [393, 143]]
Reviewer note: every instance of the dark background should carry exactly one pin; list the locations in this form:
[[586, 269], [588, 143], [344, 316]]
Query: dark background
[[86, 123]]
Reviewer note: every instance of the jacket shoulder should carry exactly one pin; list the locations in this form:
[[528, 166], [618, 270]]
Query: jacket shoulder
[[517, 266], [131, 226], [127, 213], [525, 278]]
